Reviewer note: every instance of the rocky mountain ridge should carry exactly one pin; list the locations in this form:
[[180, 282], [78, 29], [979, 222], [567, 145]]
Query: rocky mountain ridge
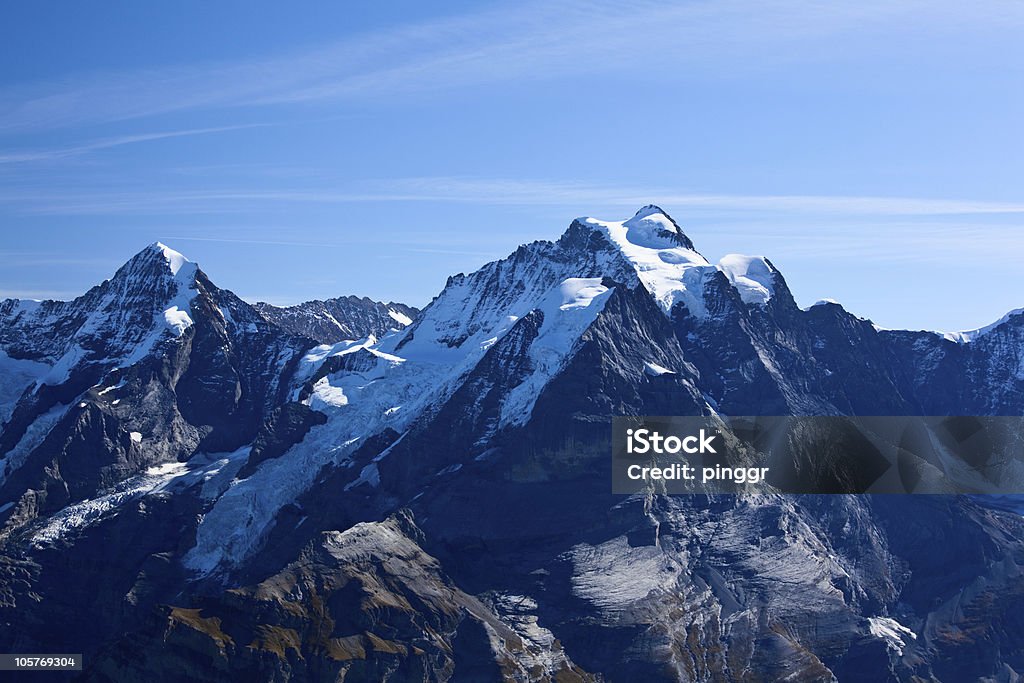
[[343, 318], [474, 442]]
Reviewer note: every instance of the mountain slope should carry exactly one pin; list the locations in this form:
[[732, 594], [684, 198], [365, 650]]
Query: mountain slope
[[487, 422], [343, 318], [144, 370], [464, 454], [364, 604]]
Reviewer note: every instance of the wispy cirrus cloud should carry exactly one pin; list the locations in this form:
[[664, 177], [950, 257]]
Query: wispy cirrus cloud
[[889, 241], [497, 192], [36, 259], [526, 192], [38, 294], [403, 245], [258, 242], [49, 154], [544, 40]]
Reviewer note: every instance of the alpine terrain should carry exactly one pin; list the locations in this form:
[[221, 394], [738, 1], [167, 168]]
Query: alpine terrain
[[196, 488], [343, 318]]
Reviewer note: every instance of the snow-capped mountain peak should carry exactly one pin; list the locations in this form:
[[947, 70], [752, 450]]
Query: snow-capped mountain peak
[[175, 260], [158, 282], [157, 260], [664, 258], [651, 220], [119, 320], [158, 429]]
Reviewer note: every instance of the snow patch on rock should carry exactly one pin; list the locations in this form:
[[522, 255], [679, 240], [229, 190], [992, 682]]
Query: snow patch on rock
[[87, 512], [655, 370], [971, 335], [400, 318], [177, 320], [569, 309], [895, 634], [31, 439], [16, 375], [326, 395], [752, 276]]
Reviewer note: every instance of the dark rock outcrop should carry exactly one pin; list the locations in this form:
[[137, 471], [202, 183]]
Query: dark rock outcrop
[[343, 318]]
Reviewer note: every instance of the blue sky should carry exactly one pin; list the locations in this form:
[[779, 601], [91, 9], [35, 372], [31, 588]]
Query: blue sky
[[872, 150]]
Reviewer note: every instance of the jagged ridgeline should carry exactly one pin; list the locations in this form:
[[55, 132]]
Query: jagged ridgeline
[[340, 319], [195, 488]]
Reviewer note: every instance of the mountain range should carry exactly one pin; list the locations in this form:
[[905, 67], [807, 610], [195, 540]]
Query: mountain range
[[196, 488], [339, 319]]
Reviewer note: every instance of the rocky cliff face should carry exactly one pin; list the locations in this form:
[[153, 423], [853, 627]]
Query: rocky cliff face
[[365, 604], [139, 373], [436, 505], [334, 320]]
